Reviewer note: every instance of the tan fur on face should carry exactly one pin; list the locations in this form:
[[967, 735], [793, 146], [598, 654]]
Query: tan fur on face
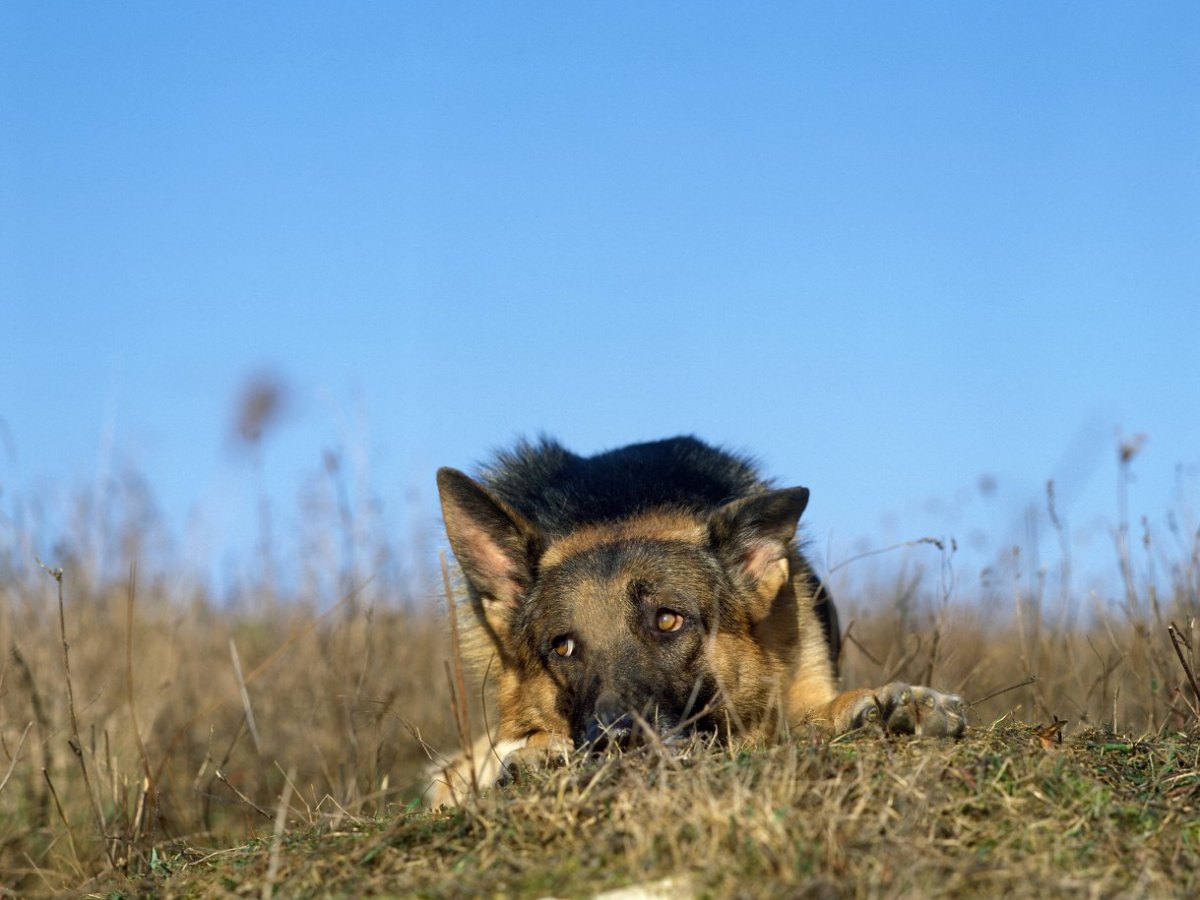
[[661, 525], [778, 665], [527, 705]]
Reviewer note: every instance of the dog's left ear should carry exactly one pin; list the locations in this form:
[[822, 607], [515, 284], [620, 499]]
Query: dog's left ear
[[495, 546], [752, 537]]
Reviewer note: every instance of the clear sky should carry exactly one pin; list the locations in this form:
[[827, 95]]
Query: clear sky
[[890, 248]]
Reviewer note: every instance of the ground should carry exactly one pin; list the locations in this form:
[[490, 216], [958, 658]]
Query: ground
[[1007, 811]]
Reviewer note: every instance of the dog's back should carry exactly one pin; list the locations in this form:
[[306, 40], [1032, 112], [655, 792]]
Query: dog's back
[[560, 491]]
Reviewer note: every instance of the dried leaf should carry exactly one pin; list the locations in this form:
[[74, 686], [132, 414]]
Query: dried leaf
[[1051, 734]]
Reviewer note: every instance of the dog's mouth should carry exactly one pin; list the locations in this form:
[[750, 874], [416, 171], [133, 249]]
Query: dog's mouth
[[603, 734], [613, 722], [630, 730]]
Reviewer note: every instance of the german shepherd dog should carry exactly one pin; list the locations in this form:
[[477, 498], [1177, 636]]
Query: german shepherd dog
[[650, 593]]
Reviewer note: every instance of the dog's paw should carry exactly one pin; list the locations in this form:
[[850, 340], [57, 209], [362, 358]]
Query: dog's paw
[[521, 763], [919, 710], [899, 708]]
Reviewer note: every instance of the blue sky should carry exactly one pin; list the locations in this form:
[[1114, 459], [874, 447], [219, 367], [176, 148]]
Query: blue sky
[[888, 247]]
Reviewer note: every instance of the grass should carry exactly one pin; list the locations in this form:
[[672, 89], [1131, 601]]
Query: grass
[[157, 741], [1001, 812]]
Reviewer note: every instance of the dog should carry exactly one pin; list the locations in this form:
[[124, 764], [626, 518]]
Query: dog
[[650, 593]]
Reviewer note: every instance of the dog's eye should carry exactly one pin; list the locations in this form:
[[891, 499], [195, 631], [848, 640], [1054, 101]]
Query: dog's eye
[[668, 620], [564, 646]]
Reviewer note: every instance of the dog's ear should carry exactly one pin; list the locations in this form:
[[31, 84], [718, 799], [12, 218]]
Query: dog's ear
[[752, 537], [493, 544]]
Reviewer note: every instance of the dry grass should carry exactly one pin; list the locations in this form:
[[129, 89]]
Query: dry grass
[[998, 813], [261, 746], [330, 699]]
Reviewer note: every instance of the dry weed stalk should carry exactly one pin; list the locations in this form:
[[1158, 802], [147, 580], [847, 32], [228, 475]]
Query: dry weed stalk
[[281, 813], [247, 709], [14, 756], [1180, 641], [63, 818], [147, 805], [76, 743]]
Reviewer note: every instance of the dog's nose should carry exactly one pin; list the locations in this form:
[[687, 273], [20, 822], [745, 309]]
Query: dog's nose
[[610, 724]]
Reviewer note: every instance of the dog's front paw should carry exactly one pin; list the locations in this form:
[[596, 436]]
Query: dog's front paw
[[521, 763], [919, 710], [900, 708]]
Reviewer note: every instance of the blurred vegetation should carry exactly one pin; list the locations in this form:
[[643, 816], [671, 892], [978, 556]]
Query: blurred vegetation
[[146, 723]]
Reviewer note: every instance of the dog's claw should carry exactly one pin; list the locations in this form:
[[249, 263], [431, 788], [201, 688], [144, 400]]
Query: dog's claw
[[864, 713], [511, 770], [942, 715]]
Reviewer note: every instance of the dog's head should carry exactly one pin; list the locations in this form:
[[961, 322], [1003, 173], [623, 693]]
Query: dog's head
[[651, 622]]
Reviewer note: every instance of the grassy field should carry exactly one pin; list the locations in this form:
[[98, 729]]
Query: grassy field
[[156, 741], [1006, 811]]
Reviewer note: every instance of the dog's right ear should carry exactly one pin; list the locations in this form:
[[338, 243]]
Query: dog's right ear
[[493, 544], [753, 536]]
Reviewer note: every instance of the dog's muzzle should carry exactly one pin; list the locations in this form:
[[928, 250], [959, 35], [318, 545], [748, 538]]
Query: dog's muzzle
[[610, 724]]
